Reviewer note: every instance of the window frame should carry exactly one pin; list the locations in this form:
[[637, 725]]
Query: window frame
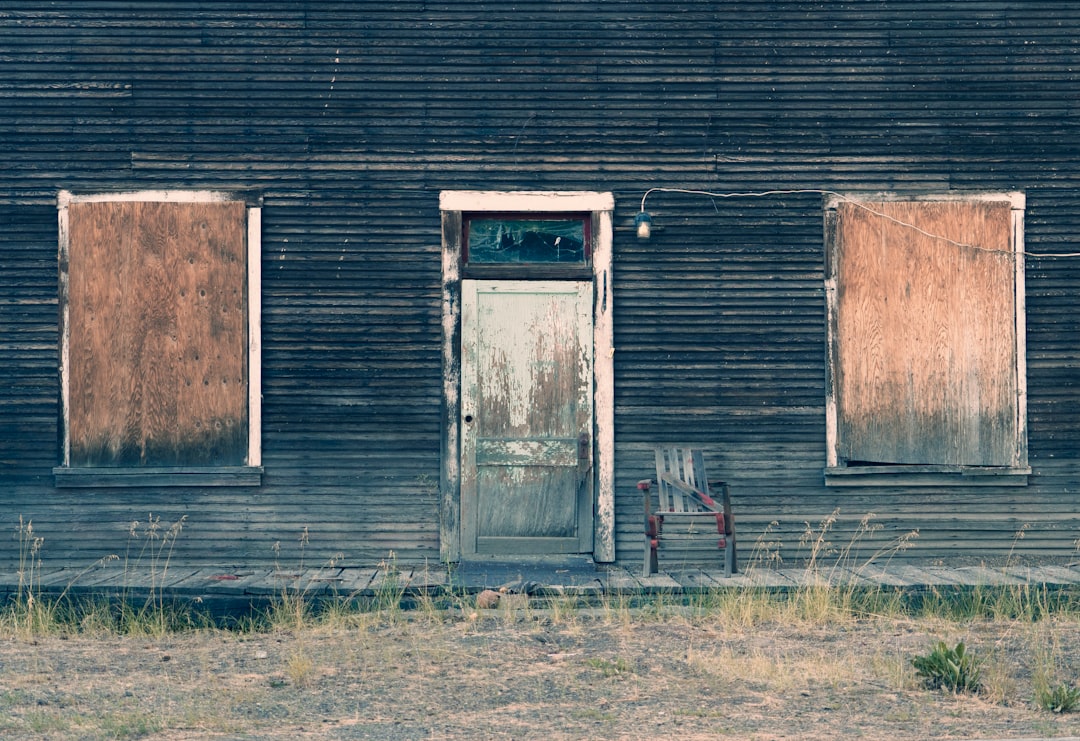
[[838, 472], [248, 474], [578, 270]]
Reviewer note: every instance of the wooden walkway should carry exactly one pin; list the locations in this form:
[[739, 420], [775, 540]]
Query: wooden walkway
[[238, 590]]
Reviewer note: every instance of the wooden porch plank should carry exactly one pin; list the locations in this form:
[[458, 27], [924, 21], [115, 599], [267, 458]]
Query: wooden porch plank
[[1045, 574], [694, 579], [929, 576], [760, 577], [736, 581], [981, 575], [426, 578], [715, 572], [42, 578], [883, 575], [809, 577], [575, 580], [853, 576], [356, 580], [880, 575], [87, 578], [659, 582], [138, 580], [620, 581], [306, 582], [212, 582], [579, 588], [389, 581], [63, 578], [265, 585], [1066, 572], [711, 579]]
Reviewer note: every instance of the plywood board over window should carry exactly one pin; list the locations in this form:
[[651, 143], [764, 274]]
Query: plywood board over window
[[926, 340], [159, 339]]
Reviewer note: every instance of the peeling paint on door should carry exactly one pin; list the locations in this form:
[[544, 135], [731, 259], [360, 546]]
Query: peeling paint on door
[[526, 403]]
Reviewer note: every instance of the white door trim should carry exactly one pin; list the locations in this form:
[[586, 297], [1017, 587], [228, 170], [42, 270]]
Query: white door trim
[[601, 205]]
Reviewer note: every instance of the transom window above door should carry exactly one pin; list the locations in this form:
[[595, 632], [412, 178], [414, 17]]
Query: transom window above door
[[500, 239], [526, 245]]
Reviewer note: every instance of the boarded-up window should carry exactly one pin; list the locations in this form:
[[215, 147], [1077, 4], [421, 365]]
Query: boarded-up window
[[157, 333], [926, 333]]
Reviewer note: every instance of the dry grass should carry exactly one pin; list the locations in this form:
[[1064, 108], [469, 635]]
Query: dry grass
[[549, 671], [818, 661]]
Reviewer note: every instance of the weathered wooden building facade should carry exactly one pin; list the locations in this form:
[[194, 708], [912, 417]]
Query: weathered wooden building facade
[[311, 264]]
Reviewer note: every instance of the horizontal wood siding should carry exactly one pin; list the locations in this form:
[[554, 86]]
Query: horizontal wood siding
[[29, 351], [349, 118]]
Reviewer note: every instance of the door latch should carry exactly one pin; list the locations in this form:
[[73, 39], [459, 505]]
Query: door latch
[[584, 457], [584, 447]]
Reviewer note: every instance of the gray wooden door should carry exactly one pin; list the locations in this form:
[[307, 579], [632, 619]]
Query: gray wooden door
[[527, 417]]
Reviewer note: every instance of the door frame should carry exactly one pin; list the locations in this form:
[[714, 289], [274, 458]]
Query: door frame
[[453, 204]]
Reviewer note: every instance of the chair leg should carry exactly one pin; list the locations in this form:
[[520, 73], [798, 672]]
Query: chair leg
[[650, 565], [652, 545]]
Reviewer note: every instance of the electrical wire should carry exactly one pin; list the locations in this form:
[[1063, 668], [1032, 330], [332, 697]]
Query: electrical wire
[[857, 204]]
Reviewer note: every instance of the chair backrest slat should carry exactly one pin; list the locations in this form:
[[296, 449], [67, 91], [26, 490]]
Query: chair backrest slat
[[685, 466]]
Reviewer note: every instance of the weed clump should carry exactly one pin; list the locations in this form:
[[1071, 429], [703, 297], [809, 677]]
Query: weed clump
[[619, 667], [955, 669], [1059, 698]]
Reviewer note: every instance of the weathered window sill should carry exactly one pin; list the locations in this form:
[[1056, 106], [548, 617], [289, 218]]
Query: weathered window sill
[[67, 477], [926, 476]]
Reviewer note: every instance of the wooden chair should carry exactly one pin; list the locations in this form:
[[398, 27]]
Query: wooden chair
[[684, 495]]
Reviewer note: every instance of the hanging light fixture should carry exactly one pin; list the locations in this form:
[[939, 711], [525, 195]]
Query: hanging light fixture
[[643, 224]]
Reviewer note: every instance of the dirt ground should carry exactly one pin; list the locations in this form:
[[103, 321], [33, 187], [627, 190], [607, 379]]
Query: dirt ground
[[536, 674]]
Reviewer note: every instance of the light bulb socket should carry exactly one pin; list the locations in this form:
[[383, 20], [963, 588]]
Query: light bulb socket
[[643, 225]]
